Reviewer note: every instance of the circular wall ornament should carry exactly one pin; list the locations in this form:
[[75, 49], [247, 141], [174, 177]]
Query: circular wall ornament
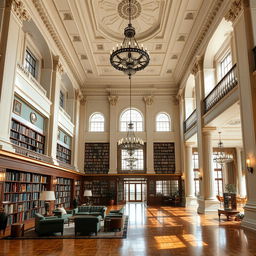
[[33, 117], [123, 9]]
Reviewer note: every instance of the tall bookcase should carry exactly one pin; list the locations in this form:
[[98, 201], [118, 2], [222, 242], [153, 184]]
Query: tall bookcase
[[164, 157], [78, 188], [63, 192], [63, 154], [21, 195], [26, 137], [96, 158]]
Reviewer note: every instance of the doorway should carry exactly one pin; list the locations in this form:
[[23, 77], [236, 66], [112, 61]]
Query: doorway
[[135, 190]]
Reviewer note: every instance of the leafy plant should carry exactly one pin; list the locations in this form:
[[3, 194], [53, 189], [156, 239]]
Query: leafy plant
[[230, 188]]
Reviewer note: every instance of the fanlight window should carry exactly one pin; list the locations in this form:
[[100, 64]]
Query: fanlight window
[[163, 122], [96, 123], [136, 118]]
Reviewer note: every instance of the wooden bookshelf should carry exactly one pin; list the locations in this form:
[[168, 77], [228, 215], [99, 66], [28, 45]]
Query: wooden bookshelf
[[164, 157], [96, 158], [63, 192], [63, 154], [21, 195], [26, 137]]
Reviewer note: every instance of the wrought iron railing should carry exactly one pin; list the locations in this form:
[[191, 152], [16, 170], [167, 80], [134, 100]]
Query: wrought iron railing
[[225, 85], [190, 121]]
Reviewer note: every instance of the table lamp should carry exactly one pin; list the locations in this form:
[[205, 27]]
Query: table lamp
[[47, 196], [88, 194]]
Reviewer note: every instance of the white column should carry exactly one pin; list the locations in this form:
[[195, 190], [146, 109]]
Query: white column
[[206, 201], [11, 30], [150, 133], [113, 122], [241, 187], [189, 176], [240, 15], [55, 98]]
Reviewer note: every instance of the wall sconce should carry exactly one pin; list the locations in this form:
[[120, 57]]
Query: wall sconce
[[54, 182], [2, 176], [249, 165], [200, 176]]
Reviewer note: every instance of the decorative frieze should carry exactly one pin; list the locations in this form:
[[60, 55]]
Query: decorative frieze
[[113, 100], [148, 100], [198, 66], [236, 7]]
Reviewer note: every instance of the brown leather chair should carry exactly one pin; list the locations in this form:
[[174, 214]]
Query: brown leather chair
[[115, 223]]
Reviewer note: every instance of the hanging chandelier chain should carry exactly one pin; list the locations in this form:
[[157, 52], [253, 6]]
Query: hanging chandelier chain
[[130, 11], [130, 79]]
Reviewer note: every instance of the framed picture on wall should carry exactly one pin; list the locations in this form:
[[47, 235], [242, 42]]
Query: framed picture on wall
[[17, 107]]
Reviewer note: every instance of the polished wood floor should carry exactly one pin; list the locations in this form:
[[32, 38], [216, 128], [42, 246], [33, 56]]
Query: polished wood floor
[[152, 231]]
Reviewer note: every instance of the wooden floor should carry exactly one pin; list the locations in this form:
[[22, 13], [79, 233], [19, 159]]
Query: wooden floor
[[152, 231]]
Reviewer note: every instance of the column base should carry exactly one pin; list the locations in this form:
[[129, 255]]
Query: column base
[[112, 171], [150, 172], [191, 201], [207, 205], [6, 145], [249, 220]]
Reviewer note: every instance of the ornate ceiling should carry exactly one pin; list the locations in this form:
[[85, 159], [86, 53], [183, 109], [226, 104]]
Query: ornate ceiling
[[89, 29]]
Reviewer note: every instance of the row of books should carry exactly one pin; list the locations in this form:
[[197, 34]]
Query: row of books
[[63, 188], [21, 197], [26, 177], [62, 200], [19, 187], [22, 216], [62, 194], [21, 207], [63, 181]]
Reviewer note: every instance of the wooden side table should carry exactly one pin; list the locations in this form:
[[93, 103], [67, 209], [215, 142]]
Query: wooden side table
[[17, 229], [228, 213]]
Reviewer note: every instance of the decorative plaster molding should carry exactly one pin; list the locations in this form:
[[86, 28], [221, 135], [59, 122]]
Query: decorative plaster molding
[[113, 100], [148, 100], [198, 65], [236, 7], [78, 95], [175, 100], [19, 10], [46, 20], [83, 100], [208, 130], [57, 65]]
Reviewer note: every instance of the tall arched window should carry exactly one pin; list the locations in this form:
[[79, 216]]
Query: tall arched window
[[136, 117], [96, 123], [163, 122]]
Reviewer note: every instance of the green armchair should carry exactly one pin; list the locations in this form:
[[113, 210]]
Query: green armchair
[[87, 224], [48, 225]]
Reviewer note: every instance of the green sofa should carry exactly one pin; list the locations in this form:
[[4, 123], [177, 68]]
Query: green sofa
[[48, 225], [87, 224], [91, 210], [59, 214]]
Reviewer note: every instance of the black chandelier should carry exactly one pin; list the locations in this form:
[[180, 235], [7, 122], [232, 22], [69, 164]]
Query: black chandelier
[[129, 57]]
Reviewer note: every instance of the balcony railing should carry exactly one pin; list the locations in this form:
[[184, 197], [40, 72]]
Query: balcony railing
[[190, 121], [226, 84]]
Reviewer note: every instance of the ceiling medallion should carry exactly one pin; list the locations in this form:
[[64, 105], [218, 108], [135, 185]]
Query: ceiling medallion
[[123, 9]]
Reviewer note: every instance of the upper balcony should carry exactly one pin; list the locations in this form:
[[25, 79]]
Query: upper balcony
[[190, 121]]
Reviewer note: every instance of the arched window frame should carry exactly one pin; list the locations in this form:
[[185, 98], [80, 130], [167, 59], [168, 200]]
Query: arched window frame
[[136, 123], [169, 121], [94, 122]]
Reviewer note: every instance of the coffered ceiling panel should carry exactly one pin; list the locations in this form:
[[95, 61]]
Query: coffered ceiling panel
[[96, 26]]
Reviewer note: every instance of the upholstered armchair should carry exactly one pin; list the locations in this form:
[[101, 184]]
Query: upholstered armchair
[[87, 224], [48, 225], [60, 214]]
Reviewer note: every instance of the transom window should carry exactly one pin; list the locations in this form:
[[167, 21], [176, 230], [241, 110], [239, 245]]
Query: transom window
[[138, 165], [136, 118], [30, 63], [162, 122], [225, 65], [96, 123]]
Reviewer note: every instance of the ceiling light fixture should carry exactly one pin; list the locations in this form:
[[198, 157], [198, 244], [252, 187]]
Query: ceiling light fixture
[[221, 156], [129, 57]]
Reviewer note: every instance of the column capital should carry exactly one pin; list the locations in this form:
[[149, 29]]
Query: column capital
[[19, 10], [236, 7], [198, 65], [189, 144], [208, 130], [57, 66], [148, 100], [83, 100], [113, 100], [78, 95]]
